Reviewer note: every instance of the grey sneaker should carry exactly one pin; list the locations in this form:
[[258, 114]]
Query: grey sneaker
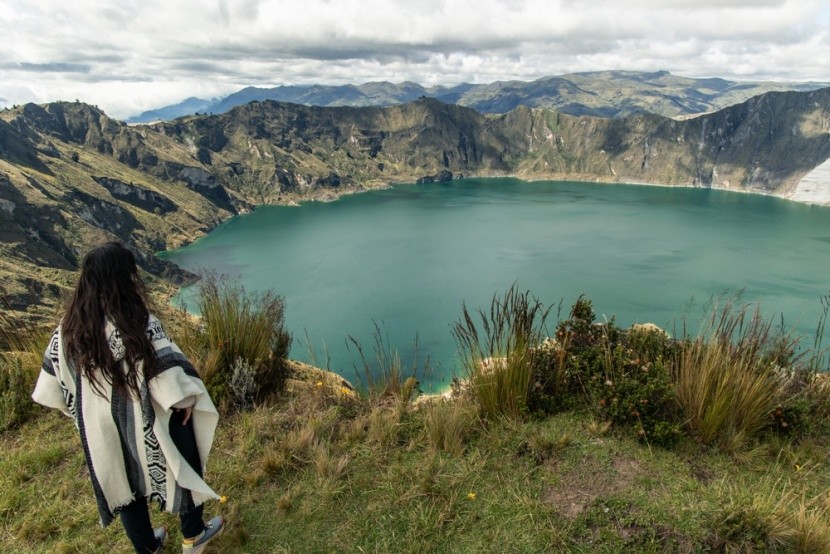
[[161, 536], [212, 528]]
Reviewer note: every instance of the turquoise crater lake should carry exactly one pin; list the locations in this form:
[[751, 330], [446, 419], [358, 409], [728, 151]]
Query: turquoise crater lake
[[409, 256]]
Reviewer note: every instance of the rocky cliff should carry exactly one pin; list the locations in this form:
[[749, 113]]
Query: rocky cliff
[[70, 176]]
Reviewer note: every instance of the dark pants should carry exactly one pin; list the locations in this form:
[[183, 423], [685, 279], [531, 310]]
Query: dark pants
[[136, 517]]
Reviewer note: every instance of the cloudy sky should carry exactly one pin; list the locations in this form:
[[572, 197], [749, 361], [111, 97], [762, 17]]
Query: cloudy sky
[[127, 56]]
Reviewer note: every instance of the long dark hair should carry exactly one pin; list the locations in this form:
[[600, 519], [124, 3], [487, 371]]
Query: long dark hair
[[109, 288]]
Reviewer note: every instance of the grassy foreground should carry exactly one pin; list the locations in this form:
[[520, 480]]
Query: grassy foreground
[[598, 440], [322, 471]]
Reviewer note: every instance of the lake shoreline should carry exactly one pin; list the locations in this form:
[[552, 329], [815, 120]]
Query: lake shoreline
[[329, 196], [409, 257]]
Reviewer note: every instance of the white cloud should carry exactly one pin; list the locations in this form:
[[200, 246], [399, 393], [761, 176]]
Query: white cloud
[[131, 55]]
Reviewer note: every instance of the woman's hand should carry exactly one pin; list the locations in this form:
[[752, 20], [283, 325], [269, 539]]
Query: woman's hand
[[187, 413]]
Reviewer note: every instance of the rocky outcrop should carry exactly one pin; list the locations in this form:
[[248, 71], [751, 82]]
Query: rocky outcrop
[[147, 200], [442, 177], [102, 214]]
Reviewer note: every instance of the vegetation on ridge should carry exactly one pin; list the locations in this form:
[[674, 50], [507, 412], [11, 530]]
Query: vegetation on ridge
[[573, 468]]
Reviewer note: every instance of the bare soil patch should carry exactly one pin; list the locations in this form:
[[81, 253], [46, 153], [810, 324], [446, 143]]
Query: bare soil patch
[[591, 478]]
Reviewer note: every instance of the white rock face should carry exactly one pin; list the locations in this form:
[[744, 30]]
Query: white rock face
[[814, 188]]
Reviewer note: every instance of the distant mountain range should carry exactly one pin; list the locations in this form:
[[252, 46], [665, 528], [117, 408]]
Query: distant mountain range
[[601, 93]]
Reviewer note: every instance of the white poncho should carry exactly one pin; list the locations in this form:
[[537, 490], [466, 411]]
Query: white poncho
[[127, 444]]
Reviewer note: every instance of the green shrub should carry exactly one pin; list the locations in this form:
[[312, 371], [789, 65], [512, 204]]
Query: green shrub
[[240, 327], [500, 352], [642, 398], [621, 374], [567, 369], [792, 418], [551, 380], [16, 385], [804, 407]]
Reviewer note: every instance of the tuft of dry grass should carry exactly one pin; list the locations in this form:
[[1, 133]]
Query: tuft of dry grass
[[499, 351], [21, 335], [771, 516], [384, 375], [383, 426], [301, 443], [448, 425], [727, 380], [328, 465], [810, 521], [22, 344], [235, 325], [597, 428]]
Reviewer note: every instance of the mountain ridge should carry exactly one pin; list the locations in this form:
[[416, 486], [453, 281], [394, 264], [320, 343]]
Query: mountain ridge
[[598, 93]]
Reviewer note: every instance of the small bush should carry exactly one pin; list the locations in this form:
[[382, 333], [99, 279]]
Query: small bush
[[243, 384], [567, 367], [621, 374], [239, 325], [805, 405], [500, 352], [16, 385], [638, 394], [551, 385]]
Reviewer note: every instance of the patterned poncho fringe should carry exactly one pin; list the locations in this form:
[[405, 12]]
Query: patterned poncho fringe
[[126, 442]]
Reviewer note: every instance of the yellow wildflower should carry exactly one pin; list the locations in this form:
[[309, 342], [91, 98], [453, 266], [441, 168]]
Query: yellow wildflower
[[223, 499], [471, 495]]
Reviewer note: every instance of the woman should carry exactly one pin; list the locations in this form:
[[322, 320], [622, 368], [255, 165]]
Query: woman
[[145, 419]]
